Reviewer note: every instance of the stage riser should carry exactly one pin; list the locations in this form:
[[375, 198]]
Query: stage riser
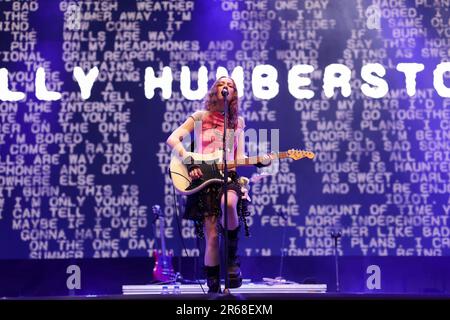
[[244, 289]]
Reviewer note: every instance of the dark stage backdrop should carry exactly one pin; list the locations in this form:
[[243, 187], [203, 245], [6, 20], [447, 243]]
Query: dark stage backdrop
[[78, 178]]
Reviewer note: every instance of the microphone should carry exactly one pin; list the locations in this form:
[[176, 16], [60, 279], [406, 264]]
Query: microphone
[[225, 91]]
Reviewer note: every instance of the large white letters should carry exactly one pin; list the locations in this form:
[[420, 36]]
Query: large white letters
[[264, 81], [379, 86], [438, 79], [331, 81], [410, 70], [295, 81], [41, 90], [152, 82], [5, 93]]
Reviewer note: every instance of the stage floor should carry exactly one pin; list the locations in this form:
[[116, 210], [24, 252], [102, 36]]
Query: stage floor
[[248, 296]]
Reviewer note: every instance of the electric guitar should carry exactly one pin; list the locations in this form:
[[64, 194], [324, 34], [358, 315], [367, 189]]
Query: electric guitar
[[211, 167], [163, 270]]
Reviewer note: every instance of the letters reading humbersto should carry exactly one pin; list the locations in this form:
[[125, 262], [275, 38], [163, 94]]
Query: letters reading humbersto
[[264, 82]]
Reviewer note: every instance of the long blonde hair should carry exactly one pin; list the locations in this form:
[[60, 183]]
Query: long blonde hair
[[211, 102]]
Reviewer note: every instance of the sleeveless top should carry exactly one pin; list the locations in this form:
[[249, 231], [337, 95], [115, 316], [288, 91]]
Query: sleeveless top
[[208, 133]]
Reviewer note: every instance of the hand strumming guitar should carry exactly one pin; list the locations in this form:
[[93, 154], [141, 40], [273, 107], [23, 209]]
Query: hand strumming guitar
[[195, 173]]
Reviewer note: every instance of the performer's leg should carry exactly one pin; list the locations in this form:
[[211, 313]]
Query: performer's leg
[[212, 256], [233, 269], [233, 220]]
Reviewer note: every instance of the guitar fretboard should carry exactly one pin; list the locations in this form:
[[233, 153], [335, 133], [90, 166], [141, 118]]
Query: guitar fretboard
[[253, 160]]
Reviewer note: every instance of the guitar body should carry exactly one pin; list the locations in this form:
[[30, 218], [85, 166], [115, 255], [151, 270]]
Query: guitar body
[[163, 270], [184, 184]]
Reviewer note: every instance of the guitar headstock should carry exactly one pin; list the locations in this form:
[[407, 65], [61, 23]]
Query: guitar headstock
[[156, 209], [300, 154]]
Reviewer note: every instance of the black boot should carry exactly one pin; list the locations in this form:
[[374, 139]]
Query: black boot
[[213, 278], [234, 265]]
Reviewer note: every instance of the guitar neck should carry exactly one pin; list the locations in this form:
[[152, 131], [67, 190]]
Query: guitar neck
[[161, 234], [250, 161]]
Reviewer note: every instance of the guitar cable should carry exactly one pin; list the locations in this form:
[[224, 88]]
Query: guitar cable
[[179, 229], [179, 175]]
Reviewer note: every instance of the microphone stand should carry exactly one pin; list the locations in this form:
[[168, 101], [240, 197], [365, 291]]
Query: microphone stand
[[225, 187], [336, 234]]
